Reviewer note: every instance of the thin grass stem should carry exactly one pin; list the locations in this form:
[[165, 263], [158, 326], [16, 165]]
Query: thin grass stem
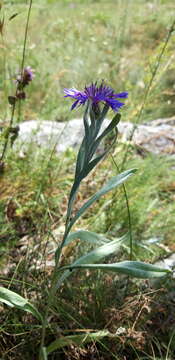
[[128, 211], [147, 91]]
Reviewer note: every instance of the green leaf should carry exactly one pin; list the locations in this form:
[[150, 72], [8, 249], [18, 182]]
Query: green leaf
[[94, 256], [80, 339], [112, 183], [80, 159], [88, 148], [72, 195], [136, 269], [87, 128], [100, 253], [88, 236], [13, 16], [109, 128], [90, 165], [13, 299], [101, 118], [43, 353], [85, 120]]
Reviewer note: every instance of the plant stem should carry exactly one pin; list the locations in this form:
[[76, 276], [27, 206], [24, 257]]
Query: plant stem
[[53, 289], [24, 50], [22, 67], [7, 138], [68, 225]]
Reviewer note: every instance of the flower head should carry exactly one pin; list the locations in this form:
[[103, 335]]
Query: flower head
[[28, 75], [25, 77], [96, 94]]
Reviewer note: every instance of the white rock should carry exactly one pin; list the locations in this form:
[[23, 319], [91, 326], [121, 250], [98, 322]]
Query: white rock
[[157, 136], [50, 133], [167, 263]]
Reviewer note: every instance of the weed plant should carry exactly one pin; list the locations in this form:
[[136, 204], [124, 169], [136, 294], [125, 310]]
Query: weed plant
[[92, 314]]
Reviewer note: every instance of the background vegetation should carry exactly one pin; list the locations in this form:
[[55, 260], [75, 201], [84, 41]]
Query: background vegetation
[[71, 43]]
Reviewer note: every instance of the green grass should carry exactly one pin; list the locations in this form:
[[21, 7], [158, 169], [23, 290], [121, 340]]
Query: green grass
[[71, 44], [118, 41], [107, 294]]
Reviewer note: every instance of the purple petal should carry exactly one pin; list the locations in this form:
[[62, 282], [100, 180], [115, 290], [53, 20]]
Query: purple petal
[[123, 95], [96, 94], [75, 104]]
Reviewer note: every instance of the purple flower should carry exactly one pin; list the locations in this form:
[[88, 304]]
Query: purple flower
[[26, 76], [96, 94]]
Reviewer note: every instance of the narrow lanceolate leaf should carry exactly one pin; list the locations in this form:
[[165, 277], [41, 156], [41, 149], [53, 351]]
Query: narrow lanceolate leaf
[[109, 128], [101, 118], [86, 127], [44, 353], [94, 256], [136, 269], [13, 16], [79, 340], [100, 253], [80, 159], [72, 196], [91, 165], [13, 299], [87, 236], [112, 183]]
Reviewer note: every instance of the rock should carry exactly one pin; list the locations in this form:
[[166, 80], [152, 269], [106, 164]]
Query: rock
[[167, 263], [167, 121], [157, 137], [50, 133]]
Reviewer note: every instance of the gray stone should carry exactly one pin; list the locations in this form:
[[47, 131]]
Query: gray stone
[[157, 137], [167, 263], [50, 133]]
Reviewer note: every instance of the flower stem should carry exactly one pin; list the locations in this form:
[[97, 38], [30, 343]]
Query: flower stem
[[22, 67]]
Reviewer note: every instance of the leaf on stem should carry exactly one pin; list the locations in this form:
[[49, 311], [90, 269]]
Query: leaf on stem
[[94, 256], [13, 299], [13, 16], [136, 269], [89, 236], [44, 353], [109, 128], [80, 339], [112, 183]]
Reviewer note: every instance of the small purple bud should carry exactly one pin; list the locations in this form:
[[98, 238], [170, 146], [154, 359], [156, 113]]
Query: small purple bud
[[21, 95], [25, 77]]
